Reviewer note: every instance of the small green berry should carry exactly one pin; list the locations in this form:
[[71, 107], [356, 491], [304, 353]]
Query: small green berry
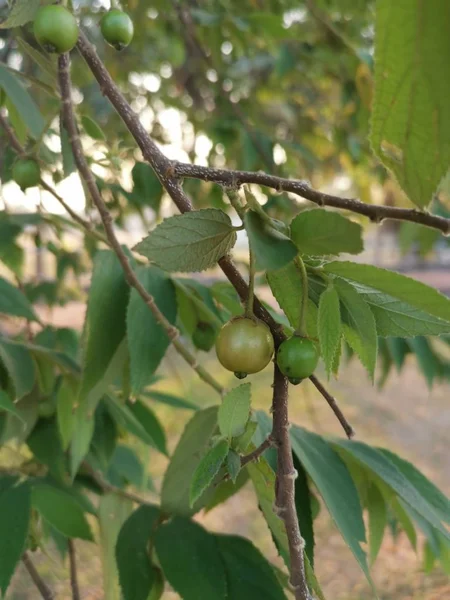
[[56, 29], [297, 358], [117, 29], [26, 173]]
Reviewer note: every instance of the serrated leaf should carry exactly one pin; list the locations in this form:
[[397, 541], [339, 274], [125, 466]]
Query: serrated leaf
[[170, 400], [410, 129], [92, 128], [226, 489], [150, 422], [105, 324], [207, 469], [19, 365], [147, 340], [333, 480], [329, 326], [8, 405], [147, 189], [358, 325], [62, 511], [136, 576], [15, 510], [233, 465], [248, 573], [376, 507], [286, 286], [22, 102], [125, 417], [320, 232], [20, 13], [45, 444], [425, 357], [235, 411], [113, 510], [190, 449], [14, 302], [182, 546], [273, 249], [194, 241], [402, 306]]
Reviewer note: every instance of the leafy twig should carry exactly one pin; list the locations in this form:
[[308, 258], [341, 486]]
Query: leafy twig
[[88, 178], [73, 571], [43, 588], [350, 432], [269, 442]]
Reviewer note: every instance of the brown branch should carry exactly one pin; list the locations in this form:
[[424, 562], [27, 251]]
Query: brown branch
[[43, 588], [88, 178], [17, 146], [73, 571], [269, 442], [285, 486], [334, 407], [374, 212]]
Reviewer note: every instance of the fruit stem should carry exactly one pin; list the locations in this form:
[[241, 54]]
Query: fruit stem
[[304, 299], [251, 284]]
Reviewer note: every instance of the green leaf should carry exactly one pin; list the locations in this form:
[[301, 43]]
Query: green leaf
[[233, 465], [402, 306], [185, 548], [192, 446], [426, 358], [19, 365], [319, 231], [329, 326], [126, 417], [194, 241], [358, 324], [15, 513], [113, 511], [47, 66], [45, 443], [207, 469], [273, 249], [136, 576], [248, 573], [62, 511], [381, 465], [125, 468], [170, 400], [8, 405], [235, 411], [147, 340], [150, 422], [17, 429], [105, 323], [92, 128], [13, 302], [82, 432], [22, 102], [332, 479], [20, 12], [65, 404], [286, 286], [312, 579], [225, 489], [376, 507], [304, 510], [410, 129], [147, 189]]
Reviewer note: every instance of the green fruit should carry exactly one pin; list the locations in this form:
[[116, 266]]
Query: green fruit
[[297, 358], [204, 336], [117, 29], [26, 173], [244, 346], [56, 29]]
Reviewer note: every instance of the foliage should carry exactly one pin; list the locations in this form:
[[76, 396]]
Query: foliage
[[281, 86]]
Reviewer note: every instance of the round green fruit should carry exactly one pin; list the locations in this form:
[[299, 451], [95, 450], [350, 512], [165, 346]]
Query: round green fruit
[[117, 29], [204, 336], [26, 173], [244, 346], [297, 358], [56, 29]]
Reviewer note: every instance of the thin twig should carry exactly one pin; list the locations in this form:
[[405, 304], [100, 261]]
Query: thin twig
[[285, 486], [43, 588], [255, 454], [334, 407], [73, 571], [88, 178], [17, 146]]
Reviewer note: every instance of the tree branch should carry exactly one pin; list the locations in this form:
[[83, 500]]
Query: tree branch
[[88, 178], [285, 486], [17, 146], [269, 442], [334, 407], [73, 571], [43, 588]]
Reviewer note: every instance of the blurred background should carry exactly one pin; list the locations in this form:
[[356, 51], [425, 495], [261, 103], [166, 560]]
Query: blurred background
[[281, 86]]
